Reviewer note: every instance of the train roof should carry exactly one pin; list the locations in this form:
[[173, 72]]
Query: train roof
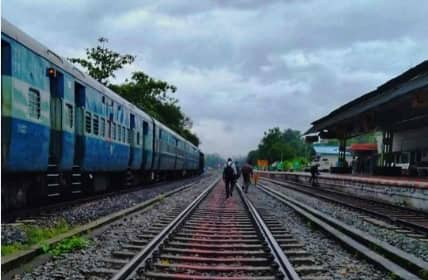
[[15, 33], [178, 136]]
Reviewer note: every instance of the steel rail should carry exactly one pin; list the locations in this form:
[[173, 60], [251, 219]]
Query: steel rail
[[20, 258], [285, 267], [390, 258], [154, 244], [399, 221]]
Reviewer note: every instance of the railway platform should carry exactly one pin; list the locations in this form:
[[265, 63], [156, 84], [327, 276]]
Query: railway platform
[[402, 191]]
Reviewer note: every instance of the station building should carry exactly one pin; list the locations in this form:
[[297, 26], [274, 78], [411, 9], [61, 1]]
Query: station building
[[399, 110]]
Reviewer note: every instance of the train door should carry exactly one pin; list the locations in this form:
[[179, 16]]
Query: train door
[[146, 147], [79, 101], [132, 148], [156, 147], [56, 85]]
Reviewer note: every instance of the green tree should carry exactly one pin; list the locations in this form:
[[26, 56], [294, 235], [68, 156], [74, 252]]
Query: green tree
[[102, 62], [154, 97], [253, 156], [151, 95], [277, 145]]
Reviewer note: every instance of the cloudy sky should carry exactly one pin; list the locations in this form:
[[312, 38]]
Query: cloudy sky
[[240, 66]]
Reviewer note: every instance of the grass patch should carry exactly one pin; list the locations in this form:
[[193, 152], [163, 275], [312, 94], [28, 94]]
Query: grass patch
[[36, 235], [12, 248], [66, 245]]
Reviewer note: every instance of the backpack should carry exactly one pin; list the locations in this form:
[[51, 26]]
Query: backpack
[[238, 172], [228, 172]]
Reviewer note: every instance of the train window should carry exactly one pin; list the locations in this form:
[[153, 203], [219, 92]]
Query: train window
[[6, 59], [88, 120], [114, 131], [69, 115], [34, 103], [102, 127], [129, 137], [119, 133], [96, 124], [138, 138], [123, 134], [109, 129], [145, 128]]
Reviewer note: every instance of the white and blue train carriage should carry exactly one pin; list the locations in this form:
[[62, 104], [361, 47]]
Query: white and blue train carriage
[[65, 133]]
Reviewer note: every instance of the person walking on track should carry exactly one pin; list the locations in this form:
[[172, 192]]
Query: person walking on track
[[247, 173], [314, 175], [229, 177], [237, 173]]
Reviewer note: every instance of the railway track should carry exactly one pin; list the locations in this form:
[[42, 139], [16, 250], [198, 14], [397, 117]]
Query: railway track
[[214, 238], [15, 261], [414, 220], [399, 263]]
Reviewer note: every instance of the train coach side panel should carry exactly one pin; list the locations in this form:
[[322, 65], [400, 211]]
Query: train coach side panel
[[68, 124], [25, 110], [103, 156], [148, 141], [136, 145], [106, 151]]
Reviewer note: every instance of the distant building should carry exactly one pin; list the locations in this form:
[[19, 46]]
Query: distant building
[[327, 156]]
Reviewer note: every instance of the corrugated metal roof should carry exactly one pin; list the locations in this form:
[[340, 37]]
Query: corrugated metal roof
[[411, 74]]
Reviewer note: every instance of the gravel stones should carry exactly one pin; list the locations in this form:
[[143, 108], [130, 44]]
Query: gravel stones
[[339, 263], [89, 211], [414, 246], [12, 233], [82, 264]]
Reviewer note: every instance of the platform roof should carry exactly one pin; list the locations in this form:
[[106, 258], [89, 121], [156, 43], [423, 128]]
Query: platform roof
[[399, 104]]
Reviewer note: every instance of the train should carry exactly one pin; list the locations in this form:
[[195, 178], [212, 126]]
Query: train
[[64, 133]]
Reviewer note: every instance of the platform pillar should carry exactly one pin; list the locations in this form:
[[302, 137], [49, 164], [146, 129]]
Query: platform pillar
[[342, 153], [386, 153]]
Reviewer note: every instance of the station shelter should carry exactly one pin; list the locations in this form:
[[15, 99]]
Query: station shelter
[[398, 109], [361, 157]]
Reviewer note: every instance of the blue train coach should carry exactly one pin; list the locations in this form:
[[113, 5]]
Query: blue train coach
[[64, 133]]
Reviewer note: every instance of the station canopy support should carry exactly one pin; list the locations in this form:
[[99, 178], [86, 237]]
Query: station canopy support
[[398, 107]]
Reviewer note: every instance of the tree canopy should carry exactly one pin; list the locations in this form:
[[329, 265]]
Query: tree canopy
[[151, 95], [101, 62], [277, 145]]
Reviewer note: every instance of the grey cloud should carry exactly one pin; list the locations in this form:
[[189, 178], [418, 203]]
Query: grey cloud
[[242, 67]]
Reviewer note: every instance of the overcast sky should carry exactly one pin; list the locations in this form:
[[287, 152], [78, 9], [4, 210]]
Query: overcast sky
[[242, 67]]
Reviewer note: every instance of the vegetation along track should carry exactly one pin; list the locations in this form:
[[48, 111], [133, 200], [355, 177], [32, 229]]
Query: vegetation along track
[[400, 264], [415, 220], [213, 238]]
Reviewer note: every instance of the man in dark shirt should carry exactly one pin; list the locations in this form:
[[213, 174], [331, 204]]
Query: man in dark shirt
[[228, 177], [247, 173], [314, 175]]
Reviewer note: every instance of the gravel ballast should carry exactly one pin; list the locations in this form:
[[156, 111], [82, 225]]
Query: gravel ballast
[[81, 264], [88, 211], [414, 246], [338, 263]]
